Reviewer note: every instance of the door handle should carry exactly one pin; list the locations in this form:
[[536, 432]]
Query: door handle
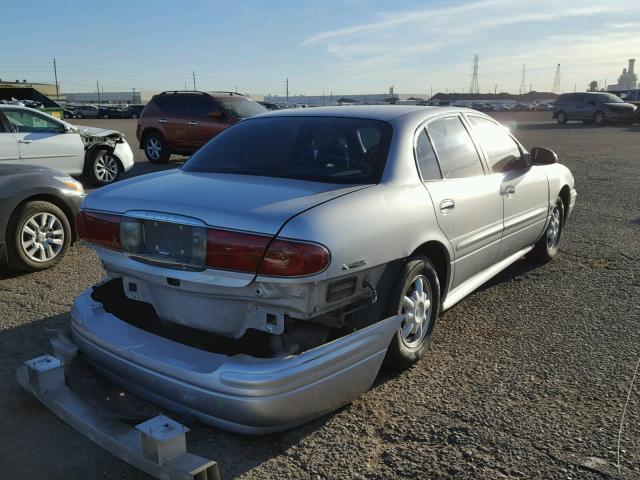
[[162, 120], [193, 123], [447, 206], [509, 190], [24, 141]]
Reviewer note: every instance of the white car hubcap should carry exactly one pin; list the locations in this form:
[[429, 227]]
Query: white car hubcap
[[42, 237], [416, 306], [106, 168], [154, 148]]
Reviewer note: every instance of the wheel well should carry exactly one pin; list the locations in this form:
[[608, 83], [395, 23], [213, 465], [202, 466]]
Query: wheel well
[[146, 132], [46, 198], [437, 253], [565, 195]]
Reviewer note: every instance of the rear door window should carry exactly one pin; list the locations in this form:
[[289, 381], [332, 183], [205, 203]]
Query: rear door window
[[426, 158], [456, 152]]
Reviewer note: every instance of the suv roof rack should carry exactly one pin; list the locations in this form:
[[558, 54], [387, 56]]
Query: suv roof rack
[[203, 93]]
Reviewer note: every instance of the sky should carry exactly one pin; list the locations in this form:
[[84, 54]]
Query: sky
[[348, 46]]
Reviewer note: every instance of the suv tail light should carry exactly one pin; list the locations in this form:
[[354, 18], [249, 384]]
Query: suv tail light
[[99, 228], [290, 258]]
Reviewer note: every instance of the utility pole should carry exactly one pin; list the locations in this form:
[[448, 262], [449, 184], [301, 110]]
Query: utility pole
[[98, 88], [556, 81], [55, 74], [475, 87], [194, 79], [431, 90], [495, 89], [133, 99], [287, 86]]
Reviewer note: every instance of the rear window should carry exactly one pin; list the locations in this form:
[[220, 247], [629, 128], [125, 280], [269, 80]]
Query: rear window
[[323, 149]]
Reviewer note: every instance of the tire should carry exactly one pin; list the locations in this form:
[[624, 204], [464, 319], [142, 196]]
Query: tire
[[411, 341], [103, 168], [156, 148], [599, 118], [79, 115], [561, 118], [32, 246], [134, 115], [547, 247]]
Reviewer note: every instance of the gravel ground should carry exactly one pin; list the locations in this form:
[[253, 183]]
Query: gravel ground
[[525, 378]]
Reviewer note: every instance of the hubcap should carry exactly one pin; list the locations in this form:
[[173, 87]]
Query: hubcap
[[42, 237], [154, 149], [416, 306], [106, 168], [553, 232]]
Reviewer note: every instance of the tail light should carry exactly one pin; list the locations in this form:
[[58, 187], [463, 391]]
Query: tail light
[[225, 249], [99, 228], [290, 258], [235, 250]]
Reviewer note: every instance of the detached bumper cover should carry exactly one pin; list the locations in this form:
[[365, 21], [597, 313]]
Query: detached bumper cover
[[238, 393]]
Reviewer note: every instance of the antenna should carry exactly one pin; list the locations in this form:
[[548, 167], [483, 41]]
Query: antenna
[[556, 81], [523, 83], [475, 88]]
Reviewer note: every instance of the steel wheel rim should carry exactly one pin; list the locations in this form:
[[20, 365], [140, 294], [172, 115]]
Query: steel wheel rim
[[106, 168], [42, 237], [416, 306], [154, 148], [553, 231], [561, 117]]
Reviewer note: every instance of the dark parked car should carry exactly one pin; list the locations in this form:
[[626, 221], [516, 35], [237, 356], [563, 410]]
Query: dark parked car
[[87, 111], [116, 112], [37, 210], [183, 121], [593, 107], [136, 110]]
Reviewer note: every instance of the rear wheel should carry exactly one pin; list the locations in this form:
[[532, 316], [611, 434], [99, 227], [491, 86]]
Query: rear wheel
[[418, 299], [561, 118], [547, 246], [41, 235], [156, 148]]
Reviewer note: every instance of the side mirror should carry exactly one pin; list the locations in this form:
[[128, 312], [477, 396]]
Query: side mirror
[[543, 156], [216, 114]]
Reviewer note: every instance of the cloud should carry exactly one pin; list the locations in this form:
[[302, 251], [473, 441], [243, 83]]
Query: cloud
[[432, 40]]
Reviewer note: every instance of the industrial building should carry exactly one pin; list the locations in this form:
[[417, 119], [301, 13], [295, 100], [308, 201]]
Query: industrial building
[[627, 81]]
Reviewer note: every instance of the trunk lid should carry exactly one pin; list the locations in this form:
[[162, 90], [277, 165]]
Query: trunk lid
[[237, 202]]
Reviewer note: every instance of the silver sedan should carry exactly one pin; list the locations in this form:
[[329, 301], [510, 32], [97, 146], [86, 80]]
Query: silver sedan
[[264, 282]]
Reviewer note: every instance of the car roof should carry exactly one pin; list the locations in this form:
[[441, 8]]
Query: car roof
[[385, 113]]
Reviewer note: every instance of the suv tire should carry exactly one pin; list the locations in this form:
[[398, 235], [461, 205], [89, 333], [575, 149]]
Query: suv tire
[[599, 118], [561, 118], [156, 148]]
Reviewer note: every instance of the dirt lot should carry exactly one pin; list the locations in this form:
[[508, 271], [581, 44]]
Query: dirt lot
[[526, 378]]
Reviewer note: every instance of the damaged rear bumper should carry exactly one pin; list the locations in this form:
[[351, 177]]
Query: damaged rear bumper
[[240, 393]]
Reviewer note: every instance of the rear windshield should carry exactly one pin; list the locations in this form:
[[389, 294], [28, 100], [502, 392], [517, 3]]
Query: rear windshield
[[323, 149], [242, 108]]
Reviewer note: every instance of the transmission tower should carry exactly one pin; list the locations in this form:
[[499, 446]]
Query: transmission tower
[[523, 83], [475, 88], [556, 81]]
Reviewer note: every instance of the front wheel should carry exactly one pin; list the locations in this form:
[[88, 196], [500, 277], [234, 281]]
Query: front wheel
[[418, 298], [41, 235], [561, 118], [599, 118], [547, 246], [104, 167]]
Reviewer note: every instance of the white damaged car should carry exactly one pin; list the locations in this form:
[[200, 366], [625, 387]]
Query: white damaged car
[[28, 136], [263, 283]]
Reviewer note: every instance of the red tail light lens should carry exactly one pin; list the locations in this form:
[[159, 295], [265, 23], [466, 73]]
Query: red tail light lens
[[293, 259], [235, 250], [99, 228]]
